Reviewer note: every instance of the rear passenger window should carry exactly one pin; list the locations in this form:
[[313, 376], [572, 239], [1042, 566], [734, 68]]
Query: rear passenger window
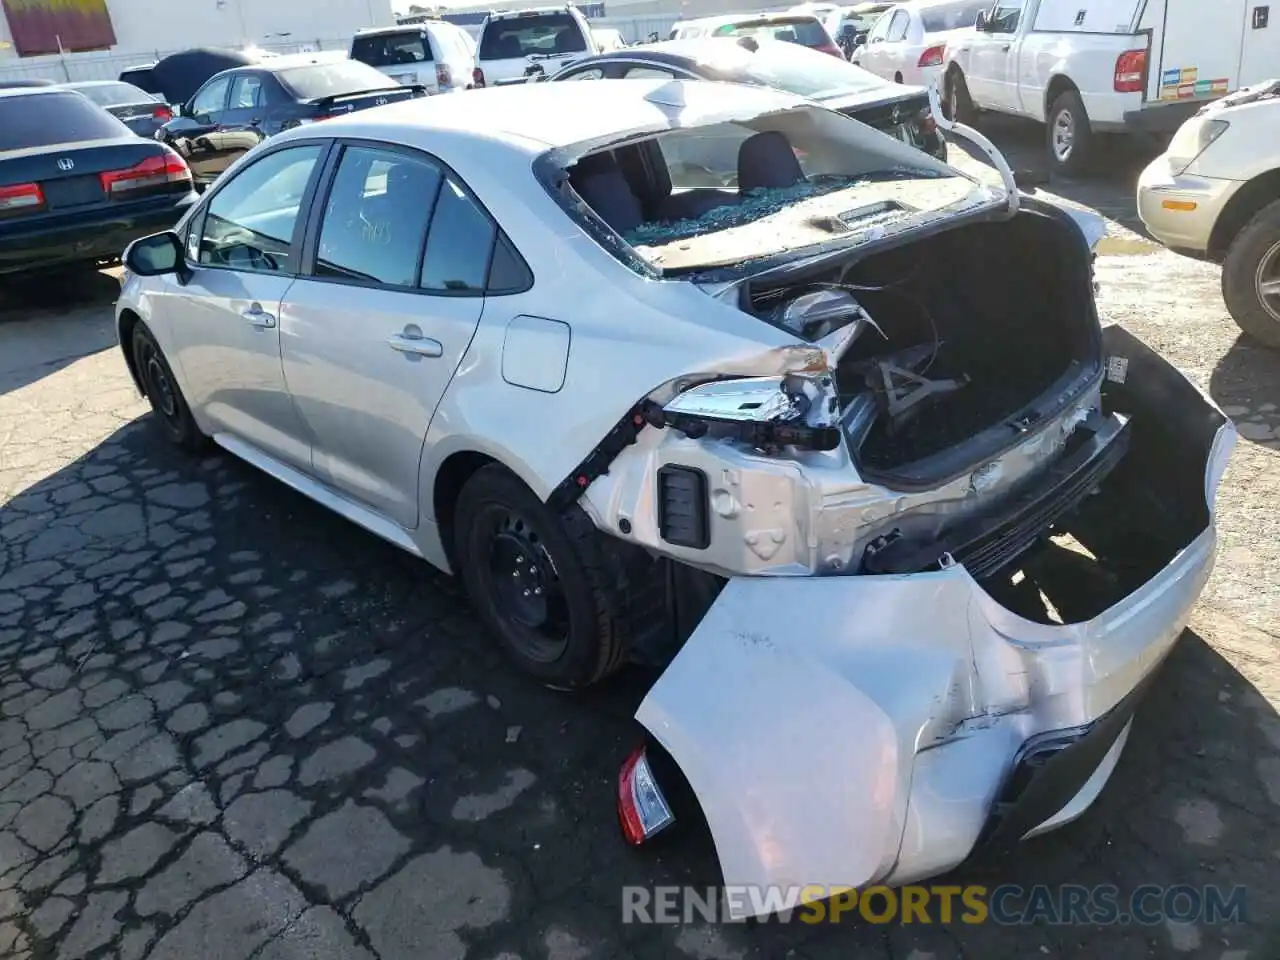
[[459, 245], [375, 221], [508, 273]]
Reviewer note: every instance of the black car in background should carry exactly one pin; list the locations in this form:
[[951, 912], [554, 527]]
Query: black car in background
[[892, 108], [238, 109], [138, 110], [176, 77], [76, 184]]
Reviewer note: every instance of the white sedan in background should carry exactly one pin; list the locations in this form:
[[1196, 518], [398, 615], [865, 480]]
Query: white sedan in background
[[1215, 193], [838, 444], [907, 42]]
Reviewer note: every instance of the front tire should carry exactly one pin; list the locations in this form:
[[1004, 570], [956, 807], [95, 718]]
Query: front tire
[[537, 580], [1071, 140], [169, 410], [959, 107], [1251, 277]]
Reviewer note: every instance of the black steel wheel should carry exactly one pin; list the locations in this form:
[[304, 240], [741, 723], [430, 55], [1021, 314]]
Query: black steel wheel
[[537, 581], [168, 406]]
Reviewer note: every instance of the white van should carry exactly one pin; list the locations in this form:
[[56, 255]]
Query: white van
[[434, 53], [516, 45], [1088, 67]]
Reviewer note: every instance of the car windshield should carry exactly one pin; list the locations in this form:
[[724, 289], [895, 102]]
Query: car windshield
[[333, 79], [782, 184], [951, 16], [806, 31], [789, 67], [46, 119], [391, 49], [112, 94], [539, 34]]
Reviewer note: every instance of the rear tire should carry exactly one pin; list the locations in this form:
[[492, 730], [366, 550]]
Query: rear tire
[[537, 580], [1252, 265], [169, 410], [1070, 138], [959, 105]]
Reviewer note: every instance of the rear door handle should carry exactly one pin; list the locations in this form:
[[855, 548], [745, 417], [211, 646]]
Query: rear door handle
[[418, 345], [258, 317], [1005, 48]]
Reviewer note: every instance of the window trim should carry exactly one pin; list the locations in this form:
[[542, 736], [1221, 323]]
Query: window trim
[[314, 221], [906, 17], [229, 79], [307, 203], [262, 90]]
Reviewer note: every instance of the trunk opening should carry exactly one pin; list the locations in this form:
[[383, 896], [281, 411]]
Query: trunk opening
[[991, 325], [1142, 515]]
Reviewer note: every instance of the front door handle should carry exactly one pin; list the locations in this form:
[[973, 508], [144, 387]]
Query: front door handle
[[258, 317], [417, 345], [1005, 48]]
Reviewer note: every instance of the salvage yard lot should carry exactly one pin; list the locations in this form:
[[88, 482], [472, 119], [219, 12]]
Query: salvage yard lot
[[233, 725]]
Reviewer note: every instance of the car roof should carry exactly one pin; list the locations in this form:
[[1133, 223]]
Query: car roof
[[533, 117], [403, 28], [15, 92], [76, 84], [530, 11]]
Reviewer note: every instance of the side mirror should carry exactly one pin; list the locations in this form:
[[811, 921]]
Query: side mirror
[[981, 23], [860, 40], [155, 255]]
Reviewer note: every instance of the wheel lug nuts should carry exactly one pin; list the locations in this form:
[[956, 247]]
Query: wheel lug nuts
[[537, 591], [526, 593]]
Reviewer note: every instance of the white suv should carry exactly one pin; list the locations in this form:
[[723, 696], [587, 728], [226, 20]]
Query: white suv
[[434, 53], [518, 44], [1215, 193]]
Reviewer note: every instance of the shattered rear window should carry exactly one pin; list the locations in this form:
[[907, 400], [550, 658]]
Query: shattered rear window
[[725, 193]]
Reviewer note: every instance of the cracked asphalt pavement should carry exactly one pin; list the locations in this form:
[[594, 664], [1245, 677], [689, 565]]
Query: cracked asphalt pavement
[[234, 726]]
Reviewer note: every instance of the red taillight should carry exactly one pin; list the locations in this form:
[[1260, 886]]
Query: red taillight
[[21, 198], [832, 49], [162, 113], [642, 809], [1131, 69], [444, 76], [151, 172], [477, 77], [932, 57]]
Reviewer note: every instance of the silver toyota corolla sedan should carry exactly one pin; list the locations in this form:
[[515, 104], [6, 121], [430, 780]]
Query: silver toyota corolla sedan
[[711, 378]]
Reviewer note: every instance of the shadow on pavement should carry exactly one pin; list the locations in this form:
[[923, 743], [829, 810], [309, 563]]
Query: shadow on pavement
[[191, 650], [65, 315]]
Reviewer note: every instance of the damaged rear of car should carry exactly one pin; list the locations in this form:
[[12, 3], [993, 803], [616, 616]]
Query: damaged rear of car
[[915, 576]]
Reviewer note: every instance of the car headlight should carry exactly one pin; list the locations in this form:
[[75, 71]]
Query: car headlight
[[800, 410], [1192, 139]]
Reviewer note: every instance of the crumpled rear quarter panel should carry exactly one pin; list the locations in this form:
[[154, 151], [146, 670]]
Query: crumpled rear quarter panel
[[848, 730]]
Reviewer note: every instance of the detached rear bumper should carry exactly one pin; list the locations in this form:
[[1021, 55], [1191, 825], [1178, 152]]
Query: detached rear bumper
[[842, 731]]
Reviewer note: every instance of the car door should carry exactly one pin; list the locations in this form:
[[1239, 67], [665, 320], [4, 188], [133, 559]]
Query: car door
[[241, 127], [194, 134], [867, 55], [885, 56], [243, 252], [372, 333], [992, 75]]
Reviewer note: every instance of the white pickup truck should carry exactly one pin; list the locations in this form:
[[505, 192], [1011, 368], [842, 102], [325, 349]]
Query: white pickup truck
[[1090, 67]]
